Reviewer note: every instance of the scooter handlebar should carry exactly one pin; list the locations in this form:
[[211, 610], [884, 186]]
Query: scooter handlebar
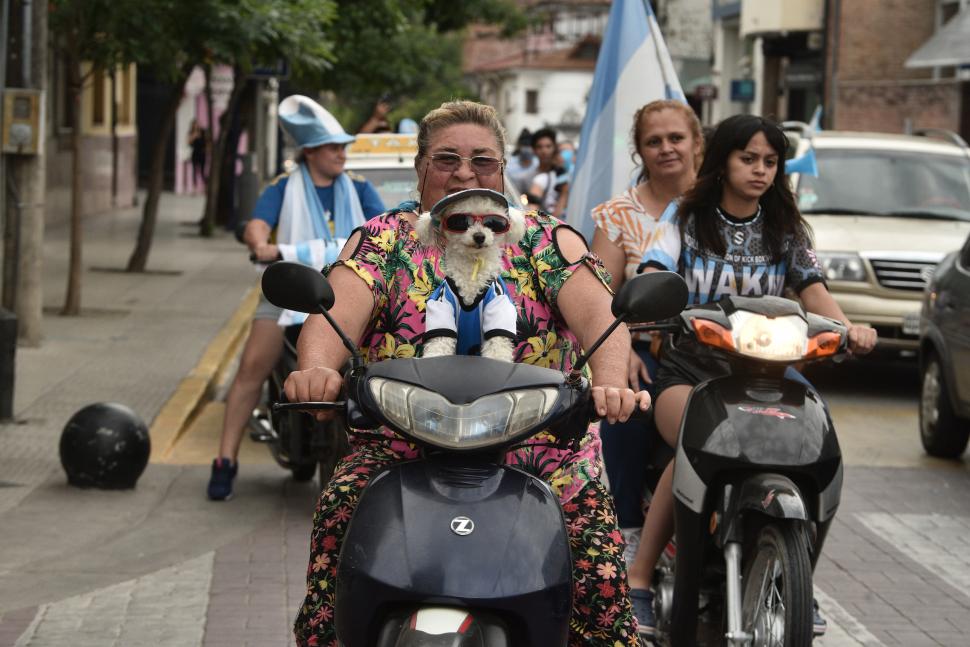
[[339, 405]]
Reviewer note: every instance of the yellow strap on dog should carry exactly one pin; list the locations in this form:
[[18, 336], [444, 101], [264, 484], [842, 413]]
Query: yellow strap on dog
[[478, 265]]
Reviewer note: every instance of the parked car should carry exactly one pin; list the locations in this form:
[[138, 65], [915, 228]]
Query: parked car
[[884, 210], [944, 412]]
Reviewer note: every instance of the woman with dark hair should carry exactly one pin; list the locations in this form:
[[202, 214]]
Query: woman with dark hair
[[736, 232]]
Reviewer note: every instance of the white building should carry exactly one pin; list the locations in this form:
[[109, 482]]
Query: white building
[[543, 78]]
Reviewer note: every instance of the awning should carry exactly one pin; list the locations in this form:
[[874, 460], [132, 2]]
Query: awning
[[949, 46]]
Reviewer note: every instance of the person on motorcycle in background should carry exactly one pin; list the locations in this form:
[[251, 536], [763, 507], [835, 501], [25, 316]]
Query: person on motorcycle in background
[[668, 140], [312, 210], [736, 232], [382, 282]]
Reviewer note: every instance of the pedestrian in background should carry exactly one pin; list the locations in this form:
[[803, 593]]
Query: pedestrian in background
[[523, 164], [547, 183], [318, 201], [198, 145]]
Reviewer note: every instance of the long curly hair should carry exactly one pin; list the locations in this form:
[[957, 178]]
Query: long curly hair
[[782, 217]]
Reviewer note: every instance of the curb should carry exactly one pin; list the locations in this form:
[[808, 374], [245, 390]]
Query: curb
[[197, 387]]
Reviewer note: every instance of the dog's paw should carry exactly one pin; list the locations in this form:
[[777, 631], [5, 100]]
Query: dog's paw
[[500, 348], [439, 347]]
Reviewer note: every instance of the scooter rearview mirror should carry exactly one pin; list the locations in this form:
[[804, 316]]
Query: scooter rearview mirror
[[651, 297], [293, 286]]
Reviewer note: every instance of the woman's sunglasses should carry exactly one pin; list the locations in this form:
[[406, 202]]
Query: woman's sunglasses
[[451, 162], [461, 222]]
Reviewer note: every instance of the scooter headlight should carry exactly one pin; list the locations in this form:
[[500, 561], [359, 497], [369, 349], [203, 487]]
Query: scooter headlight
[[490, 420], [778, 338], [755, 335]]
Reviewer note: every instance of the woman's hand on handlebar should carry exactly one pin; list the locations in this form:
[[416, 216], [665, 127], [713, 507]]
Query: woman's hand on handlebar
[[318, 384], [616, 405], [862, 339], [266, 253]]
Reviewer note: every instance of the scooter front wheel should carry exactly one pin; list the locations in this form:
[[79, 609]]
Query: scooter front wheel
[[777, 600]]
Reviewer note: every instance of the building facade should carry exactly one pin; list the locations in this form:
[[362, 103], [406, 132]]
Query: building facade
[[543, 78]]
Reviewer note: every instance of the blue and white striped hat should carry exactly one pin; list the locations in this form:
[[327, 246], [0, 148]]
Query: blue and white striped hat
[[309, 123]]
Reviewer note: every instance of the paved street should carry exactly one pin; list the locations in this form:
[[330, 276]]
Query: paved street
[[160, 565]]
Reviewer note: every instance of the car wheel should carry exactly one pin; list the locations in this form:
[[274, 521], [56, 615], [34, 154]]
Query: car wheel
[[942, 432]]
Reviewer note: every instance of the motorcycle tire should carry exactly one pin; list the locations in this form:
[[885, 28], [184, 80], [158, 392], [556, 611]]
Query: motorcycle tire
[[776, 603]]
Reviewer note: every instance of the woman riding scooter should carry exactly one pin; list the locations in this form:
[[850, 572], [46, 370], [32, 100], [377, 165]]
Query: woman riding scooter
[[736, 232], [310, 209], [381, 285]]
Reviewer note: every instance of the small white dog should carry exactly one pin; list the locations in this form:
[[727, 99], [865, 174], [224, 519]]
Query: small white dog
[[471, 311]]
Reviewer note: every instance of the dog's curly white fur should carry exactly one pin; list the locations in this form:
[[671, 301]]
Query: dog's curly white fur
[[472, 260]]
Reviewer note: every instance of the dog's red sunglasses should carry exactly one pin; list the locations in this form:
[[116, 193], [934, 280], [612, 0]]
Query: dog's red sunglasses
[[460, 222]]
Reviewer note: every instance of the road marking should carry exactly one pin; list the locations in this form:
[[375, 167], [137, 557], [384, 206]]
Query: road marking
[[936, 542], [843, 630], [166, 608]]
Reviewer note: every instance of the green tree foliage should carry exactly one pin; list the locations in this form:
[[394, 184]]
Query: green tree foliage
[[407, 49]]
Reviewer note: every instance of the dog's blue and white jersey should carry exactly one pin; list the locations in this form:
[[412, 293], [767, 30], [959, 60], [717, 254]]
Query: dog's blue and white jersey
[[491, 315]]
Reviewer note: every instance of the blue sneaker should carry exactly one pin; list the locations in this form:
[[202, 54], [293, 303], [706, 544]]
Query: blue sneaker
[[819, 625], [643, 609], [220, 483]]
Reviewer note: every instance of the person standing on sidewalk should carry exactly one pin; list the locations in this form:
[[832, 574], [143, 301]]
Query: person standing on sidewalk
[[307, 214]]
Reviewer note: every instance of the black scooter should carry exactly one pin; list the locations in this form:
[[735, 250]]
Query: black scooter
[[297, 442], [757, 478], [456, 548]]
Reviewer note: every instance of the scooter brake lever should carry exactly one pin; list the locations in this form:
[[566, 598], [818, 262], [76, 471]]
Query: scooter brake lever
[[309, 406]]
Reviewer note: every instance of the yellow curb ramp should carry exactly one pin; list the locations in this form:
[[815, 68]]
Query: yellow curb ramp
[[196, 388]]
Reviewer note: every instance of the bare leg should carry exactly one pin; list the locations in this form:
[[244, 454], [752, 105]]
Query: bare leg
[[658, 526], [262, 350]]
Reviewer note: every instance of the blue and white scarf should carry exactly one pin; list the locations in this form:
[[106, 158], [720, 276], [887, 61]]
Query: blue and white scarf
[[303, 234]]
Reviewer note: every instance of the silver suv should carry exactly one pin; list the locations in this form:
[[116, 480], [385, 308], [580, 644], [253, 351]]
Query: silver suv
[[884, 210]]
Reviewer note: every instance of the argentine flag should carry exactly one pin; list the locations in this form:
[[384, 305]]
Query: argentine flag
[[633, 68]]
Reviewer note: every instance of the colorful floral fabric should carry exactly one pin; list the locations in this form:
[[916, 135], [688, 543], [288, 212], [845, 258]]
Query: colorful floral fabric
[[402, 274]]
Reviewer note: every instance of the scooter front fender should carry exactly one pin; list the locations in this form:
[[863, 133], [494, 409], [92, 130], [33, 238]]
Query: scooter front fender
[[769, 494], [456, 532]]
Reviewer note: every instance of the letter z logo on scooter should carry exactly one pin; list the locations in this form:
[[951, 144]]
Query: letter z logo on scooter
[[462, 526]]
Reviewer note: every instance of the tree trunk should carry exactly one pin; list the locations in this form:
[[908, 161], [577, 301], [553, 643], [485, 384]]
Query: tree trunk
[[210, 117], [72, 301], [207, 225], [30, 293], [156, 175]]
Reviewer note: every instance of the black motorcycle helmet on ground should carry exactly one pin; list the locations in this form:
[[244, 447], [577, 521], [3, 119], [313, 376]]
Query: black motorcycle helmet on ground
[[104, 445]]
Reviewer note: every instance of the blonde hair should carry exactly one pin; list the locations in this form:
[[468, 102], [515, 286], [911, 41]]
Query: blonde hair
[[693, 124], [452, 113]]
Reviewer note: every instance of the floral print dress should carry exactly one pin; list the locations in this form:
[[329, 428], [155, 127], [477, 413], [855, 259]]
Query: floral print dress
[[402, 274]]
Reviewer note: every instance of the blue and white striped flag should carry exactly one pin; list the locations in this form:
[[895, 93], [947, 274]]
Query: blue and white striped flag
[[633, 68]]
